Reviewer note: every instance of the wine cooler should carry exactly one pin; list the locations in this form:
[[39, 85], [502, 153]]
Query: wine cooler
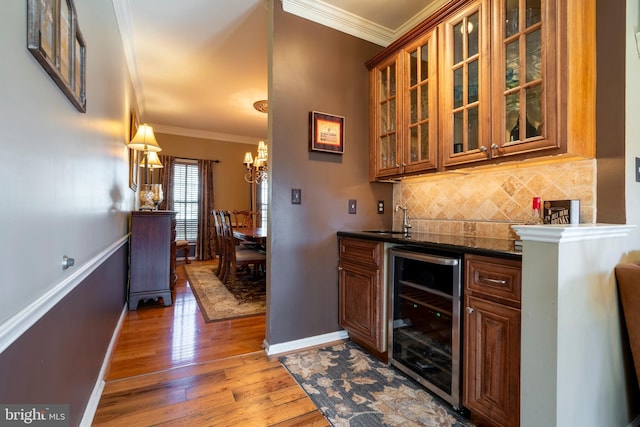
[[424, 321]]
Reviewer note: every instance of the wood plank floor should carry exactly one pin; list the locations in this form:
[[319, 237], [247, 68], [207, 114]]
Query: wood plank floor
[[169, 367]]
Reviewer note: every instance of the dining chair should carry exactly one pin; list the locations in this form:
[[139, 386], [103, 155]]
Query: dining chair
[[219, 242], [238, 255], [246, 218]]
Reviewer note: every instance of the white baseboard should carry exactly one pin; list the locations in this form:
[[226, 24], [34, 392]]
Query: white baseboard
[[96, 394], [304, 343]]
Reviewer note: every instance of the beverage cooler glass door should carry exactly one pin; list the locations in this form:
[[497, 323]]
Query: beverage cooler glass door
[[424, 330]]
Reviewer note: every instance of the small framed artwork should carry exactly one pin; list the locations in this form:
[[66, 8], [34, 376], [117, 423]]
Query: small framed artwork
[[326, 132], [55, 40], [133, 154]]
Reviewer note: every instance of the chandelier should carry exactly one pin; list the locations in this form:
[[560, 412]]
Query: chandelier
[[257, 169]]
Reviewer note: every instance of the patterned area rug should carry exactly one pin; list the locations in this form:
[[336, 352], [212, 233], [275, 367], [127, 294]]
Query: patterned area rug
[[247, 296], [352, 389]]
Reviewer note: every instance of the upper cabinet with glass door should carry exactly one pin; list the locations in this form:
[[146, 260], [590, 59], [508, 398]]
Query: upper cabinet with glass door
[[466, 85], [385, 154], [404, 111], [524, 97]]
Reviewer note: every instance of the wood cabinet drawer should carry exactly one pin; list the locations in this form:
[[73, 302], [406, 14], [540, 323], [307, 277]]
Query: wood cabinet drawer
[[361, 251], [494, 277]]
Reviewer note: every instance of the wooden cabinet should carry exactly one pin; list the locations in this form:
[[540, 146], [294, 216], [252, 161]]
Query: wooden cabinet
[[403, 110], [491, 379], [362, 297], [152, 256], [515, 80]]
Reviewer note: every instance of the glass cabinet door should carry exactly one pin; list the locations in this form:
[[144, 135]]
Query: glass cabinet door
[[466, 129], [523, 77], [385, 119], [420, 121]]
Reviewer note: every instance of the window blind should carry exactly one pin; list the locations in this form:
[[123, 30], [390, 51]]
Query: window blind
[[185, 200]]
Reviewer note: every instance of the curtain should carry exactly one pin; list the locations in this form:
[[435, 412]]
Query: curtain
[[166, 179], [205, 248]]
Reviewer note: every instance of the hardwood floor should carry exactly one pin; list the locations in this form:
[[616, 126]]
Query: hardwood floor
[[169, 367]]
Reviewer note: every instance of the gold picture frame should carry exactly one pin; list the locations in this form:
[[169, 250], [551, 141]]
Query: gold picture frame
[[55, 40]]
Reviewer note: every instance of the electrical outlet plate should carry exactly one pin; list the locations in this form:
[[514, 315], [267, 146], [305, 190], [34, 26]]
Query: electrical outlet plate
[[637, 169], [352, 206], [380, 206]]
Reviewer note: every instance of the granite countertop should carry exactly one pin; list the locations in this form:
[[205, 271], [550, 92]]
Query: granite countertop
[[477, 245]]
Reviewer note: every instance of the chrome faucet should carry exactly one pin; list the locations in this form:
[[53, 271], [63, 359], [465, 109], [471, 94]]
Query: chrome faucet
[[405, 219]]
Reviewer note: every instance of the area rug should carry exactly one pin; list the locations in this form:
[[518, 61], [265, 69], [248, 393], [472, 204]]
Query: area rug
[[217, 301], [351, 388]]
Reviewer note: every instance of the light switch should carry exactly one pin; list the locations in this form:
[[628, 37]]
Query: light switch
[[296, 196], [352, 206]]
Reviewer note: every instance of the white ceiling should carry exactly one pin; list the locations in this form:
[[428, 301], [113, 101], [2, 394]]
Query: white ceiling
[[199, 65]]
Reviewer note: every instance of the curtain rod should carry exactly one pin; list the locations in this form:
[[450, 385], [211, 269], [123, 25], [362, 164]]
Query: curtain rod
[[189, 158]]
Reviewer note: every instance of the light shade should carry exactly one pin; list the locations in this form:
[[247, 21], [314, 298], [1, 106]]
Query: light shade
[[152, 161], [144, 140], [248, 159]]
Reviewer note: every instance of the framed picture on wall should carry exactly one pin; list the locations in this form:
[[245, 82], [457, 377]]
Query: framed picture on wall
[[133, 154], [326, 132], [55, 40]]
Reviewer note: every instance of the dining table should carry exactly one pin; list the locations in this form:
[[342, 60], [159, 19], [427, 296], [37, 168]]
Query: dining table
[[251, 234]]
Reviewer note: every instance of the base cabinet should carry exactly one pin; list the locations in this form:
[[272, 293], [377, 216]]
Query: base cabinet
[[362, 294], [491, 380], [152, 256]]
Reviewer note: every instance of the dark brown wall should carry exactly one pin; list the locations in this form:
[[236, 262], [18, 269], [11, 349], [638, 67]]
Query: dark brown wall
[[315, 68], [610, 111], [58, 359]]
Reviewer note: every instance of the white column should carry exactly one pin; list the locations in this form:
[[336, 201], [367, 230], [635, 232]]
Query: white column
[[572, 370]]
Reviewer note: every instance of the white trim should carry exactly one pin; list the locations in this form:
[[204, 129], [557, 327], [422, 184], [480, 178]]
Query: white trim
[[304, 343], [195, 133], [13, 328], [349, 23], [338, 19], [556, 233], [124, 14], [96, 394]]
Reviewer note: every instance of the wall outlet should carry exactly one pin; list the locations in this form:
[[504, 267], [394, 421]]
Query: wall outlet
[[296, 196], [637, 169], [352, 206], [380, 206]]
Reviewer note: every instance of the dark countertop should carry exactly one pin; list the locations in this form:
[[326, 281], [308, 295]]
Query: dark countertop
[[477, 245]]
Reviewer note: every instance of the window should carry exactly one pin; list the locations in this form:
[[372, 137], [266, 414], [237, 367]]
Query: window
[[261, 201], [185, 199]]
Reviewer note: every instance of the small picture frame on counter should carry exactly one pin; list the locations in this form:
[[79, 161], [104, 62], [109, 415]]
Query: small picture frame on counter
[[561, 212]]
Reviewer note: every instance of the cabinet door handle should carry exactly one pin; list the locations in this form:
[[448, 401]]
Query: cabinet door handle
[[494, 281], [469, 310], [483, 149], [494, 146], [339, 268]]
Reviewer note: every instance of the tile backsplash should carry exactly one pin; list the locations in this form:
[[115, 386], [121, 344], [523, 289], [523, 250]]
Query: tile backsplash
[[485, 203]]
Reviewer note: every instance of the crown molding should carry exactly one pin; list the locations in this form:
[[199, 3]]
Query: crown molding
[[203, 134], [341, 20], [124, 18]]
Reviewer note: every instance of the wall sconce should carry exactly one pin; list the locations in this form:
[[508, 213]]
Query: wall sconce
[[145, 141], [257, 169]]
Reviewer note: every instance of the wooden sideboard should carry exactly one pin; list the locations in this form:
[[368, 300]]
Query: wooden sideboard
[[152, 256]]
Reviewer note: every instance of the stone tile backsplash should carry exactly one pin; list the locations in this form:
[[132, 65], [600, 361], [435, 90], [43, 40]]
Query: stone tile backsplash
[[485, 203]]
